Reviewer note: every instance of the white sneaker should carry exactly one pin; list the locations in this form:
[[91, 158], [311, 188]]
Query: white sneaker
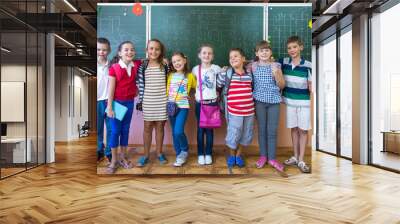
[[181, 159], [208, 160], [201, 160]]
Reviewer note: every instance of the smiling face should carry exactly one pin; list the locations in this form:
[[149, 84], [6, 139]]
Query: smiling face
[[178, 62], [206, 55], [154, 50], [102, 50], [294, 49], [236, 59], [127, 52], [264, 54]]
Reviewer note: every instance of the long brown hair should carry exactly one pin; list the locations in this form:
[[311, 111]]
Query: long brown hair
[[116, 58], [185, 67], [163, 50]]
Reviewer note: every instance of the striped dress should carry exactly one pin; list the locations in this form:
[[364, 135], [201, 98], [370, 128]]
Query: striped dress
[[240, 96], [154, 99]]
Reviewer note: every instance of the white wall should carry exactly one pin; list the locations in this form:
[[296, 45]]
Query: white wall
[[71, 93]]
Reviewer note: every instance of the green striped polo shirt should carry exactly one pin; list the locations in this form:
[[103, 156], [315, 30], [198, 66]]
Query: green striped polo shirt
[[296, 91]]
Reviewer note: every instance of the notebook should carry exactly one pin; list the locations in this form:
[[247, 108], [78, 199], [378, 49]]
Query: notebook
[[119, 110]]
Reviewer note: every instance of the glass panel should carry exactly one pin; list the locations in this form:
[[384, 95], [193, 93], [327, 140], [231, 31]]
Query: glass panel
[[41, 99], [346, 94], [385, 85], [31, 99], [13, 86], [327, 96]]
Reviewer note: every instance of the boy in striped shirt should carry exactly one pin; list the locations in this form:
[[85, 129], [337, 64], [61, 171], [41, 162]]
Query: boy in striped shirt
[[296, 96], [239, 106]]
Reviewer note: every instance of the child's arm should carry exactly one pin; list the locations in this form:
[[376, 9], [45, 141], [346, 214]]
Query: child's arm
[[279, 79], [111, 91]]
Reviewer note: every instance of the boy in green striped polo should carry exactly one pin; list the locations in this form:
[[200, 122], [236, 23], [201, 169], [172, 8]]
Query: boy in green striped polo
[[296, 96]]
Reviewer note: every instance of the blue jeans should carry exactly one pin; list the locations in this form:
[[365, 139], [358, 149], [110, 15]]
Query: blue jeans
[[101, 118], [200, 135], [268, 121], [120, 129], [178, 130]]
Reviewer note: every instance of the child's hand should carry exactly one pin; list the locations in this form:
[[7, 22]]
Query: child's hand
[[224, 69], [165, 60], [110, 112]]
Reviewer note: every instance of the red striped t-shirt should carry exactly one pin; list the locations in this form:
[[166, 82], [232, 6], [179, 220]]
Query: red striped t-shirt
[[240, 95]]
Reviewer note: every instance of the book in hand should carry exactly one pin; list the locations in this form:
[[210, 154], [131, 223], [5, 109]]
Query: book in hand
[[119, 110]]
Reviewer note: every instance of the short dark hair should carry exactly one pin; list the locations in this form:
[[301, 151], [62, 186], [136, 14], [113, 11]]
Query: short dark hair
[[103, 40], [241, 52], [294, 39]]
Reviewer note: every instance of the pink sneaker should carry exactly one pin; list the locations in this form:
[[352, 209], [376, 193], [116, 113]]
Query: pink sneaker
[[261, 162], [274, 163]]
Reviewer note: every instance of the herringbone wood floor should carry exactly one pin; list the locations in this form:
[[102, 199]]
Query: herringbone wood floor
[[70, 191]]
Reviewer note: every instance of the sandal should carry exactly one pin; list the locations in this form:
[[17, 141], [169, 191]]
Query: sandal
[[303, 167], [292, 161], [278, 167], [112, 170], [126, 164], [261, 162]]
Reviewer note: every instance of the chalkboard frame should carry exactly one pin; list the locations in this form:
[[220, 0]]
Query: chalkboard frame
[[147, 11]]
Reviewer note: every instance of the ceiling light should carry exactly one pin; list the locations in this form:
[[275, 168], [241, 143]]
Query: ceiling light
[[5, 50], [70, 5], [64, 40], [86, 72]]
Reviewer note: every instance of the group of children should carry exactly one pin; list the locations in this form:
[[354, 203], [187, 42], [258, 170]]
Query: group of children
[[248, 90]]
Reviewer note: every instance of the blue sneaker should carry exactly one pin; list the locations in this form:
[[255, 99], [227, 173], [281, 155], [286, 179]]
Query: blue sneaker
[[230, 161], [162, 159], [142, 161], [239, 161]]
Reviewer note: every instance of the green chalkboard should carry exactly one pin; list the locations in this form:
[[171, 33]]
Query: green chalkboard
[[118, 23], [285, 21], [185, 28]]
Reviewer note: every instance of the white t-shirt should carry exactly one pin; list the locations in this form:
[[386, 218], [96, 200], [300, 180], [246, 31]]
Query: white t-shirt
[[209, 81], [102, 81]]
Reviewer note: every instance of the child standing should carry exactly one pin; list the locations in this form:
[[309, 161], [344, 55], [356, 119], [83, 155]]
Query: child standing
[[296, 95], [268, 82], [152, 82], [180, 83], [122, 89], [239, 106], [208, 73], [103, 49]]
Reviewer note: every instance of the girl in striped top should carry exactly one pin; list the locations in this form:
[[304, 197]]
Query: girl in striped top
[[180, 83], [152, 80], [239, 106]]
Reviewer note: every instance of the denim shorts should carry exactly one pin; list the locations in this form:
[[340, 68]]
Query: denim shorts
[[239, 131]]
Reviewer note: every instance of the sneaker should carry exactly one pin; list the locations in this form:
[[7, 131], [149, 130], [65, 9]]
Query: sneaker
[[303, 167], [109, 157], [208, 159], [100, 156], [142, 161], [231, 161], [239, 161], [181, 159], [261, 162], [292, 161], [162, 159], [201, 160]]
